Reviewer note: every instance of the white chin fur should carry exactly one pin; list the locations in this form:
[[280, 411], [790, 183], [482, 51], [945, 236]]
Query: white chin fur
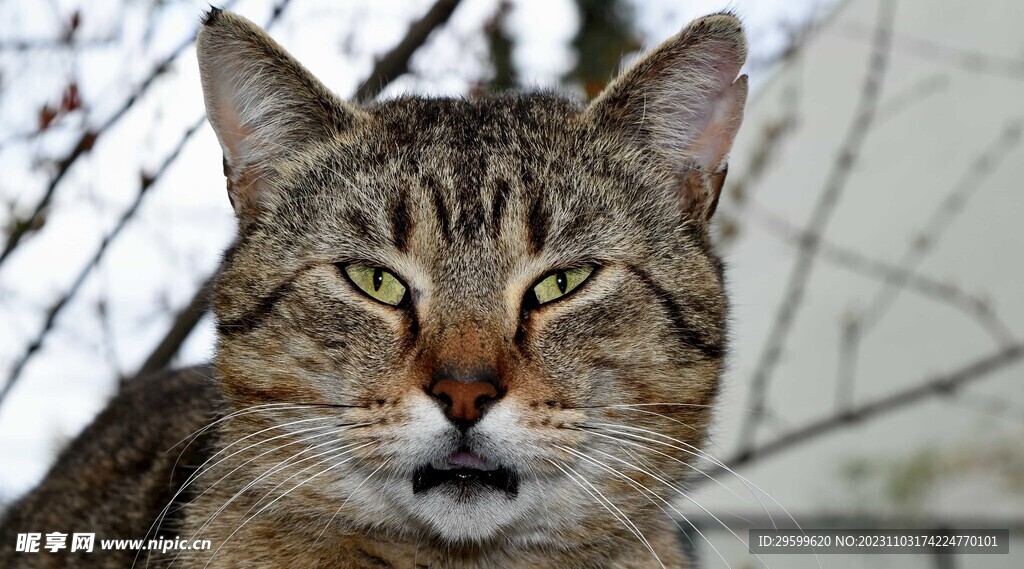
[[474, 520]]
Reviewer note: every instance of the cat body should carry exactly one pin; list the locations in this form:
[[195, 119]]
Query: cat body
[[451, 333]]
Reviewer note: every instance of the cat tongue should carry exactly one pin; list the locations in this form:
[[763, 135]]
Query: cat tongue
[[466, 459]]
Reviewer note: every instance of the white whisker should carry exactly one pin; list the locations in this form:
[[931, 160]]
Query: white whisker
[[623, 519], [335, 430], [646, 464], [264, 508], [345, 501], [203, 468], [245, 411], [667, 503], [702, 454], [692, 428], [687, 497], [666, 455], [286, 463], [167, 509]]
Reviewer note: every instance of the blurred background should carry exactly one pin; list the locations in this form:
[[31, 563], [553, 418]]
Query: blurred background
[[871, 223]]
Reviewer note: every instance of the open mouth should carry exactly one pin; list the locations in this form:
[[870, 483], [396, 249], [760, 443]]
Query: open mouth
[[466, 472]]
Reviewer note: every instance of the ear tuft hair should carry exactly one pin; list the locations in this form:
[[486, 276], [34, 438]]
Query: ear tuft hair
[[210, 17]]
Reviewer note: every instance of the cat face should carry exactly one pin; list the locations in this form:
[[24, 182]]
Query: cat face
[[506, 310]]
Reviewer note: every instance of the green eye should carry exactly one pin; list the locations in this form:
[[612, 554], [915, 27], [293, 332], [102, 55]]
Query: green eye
[[560, 283], [377, 283]]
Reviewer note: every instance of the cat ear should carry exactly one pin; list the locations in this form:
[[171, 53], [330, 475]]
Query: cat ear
[[263, 105], [684, 101]]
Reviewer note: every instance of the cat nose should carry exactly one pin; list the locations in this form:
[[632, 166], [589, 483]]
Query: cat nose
[[465, 401]]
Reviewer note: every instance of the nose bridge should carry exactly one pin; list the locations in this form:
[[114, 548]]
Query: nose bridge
[[466, 376], [465, 349]]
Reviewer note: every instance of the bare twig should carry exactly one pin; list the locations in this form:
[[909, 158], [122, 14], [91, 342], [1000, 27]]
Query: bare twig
[[951, 206], [990, 405], [912, 95], [107, 335], [896, 275], [395, 61], [965, 59], [824, 208], [847, 364], [975, 308], [42, 44], [941, 219], [62, 302], [935, 386], [82, 146], [740, 188]]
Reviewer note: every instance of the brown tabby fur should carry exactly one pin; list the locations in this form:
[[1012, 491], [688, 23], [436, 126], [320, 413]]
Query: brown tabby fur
[[469, 203]]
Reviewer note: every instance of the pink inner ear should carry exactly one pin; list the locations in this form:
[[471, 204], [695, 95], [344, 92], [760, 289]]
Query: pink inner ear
[[721, 120], [236, 141], [234, 136], [715, 127]]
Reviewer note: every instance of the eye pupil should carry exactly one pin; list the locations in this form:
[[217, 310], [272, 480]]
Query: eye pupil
[[378, 278], [561, 281]]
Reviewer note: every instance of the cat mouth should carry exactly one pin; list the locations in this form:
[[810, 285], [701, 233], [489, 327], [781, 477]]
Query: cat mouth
[[467, 473]]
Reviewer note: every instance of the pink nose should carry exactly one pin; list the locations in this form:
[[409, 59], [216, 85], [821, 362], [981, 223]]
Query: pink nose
[[464, 401]]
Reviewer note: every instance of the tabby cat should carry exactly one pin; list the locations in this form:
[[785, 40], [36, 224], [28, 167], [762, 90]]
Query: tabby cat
[[451, 333]]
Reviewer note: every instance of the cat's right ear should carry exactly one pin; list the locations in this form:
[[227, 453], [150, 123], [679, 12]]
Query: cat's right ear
[[262, 104]]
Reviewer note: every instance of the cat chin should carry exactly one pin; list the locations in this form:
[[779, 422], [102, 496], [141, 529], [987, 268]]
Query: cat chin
[[464, 516], [464, 520]]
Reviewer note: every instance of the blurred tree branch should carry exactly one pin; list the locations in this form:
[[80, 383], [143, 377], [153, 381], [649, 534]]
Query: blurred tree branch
[[739, 188], [21, 228], [604, 37], [501, 45], [934, 386], [983, 165], [186, 319], [893, 274], [146, 183], [396, 62], [827, 202], [56, 43], [968, 60], [861, 324], [917, 92]]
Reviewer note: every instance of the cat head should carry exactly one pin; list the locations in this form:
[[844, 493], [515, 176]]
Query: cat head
[[496, 309]]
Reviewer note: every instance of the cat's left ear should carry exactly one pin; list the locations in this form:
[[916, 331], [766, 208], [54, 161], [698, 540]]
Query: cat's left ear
[[684, 101]]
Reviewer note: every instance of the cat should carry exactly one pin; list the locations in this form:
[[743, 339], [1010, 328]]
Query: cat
[[450, 333]]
